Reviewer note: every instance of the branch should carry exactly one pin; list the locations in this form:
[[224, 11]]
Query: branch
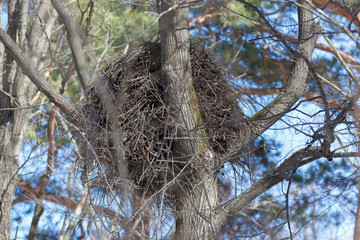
[[72, 204], [320, 13], [317, 99], [295, 85], [74, 41], [341, 10], [307, 95], [346, 154], [64, 201], [208, 14], [44, 180], [346, 57], [341, 60], [273, 177], [36, 26], [29, 70]]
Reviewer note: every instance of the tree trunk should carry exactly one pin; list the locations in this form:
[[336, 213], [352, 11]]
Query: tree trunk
[[195, 206], [13, 119], [11, 134], [196, 188]]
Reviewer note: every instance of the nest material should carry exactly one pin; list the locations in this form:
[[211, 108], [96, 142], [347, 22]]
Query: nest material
[[136, 92]]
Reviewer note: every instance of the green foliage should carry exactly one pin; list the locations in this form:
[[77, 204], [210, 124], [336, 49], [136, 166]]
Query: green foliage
[[30, 132], [237, 9], [119, 24]]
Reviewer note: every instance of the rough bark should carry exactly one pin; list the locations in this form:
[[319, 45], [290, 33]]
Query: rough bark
[[12, 121], [196, 190], [196, 198], [194, 206], [11, 133]]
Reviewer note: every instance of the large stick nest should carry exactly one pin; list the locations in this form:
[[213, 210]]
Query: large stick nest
[[133, 102]]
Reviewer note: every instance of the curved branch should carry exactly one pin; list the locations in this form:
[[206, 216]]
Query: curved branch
[[294, 88], [74, 41]]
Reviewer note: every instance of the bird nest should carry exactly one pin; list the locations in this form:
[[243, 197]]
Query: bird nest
[[131, 118]]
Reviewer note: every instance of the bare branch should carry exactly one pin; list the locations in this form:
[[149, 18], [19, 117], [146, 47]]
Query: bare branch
[[307, 95], [346, 56], [44, 180], [72, 205], [37, 79], [273, 177], [295, 85], [340, 9], [342, 61], [35, 28], [346, 154], [74, 41]]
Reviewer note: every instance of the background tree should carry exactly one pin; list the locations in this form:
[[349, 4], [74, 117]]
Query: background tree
[[90, 149]]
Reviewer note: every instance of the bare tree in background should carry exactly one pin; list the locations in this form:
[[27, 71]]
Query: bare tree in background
[[17, 92], [186, 203]]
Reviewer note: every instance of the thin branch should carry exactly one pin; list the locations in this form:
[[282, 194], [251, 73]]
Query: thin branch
[[72, 204], [346, 154], [39, 208], [295, 86], [319, 12], [340, 10], [273, 177], [307, 95], [78, 209], [35, 27], [343, 63], [346, 57], [288, 210]]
